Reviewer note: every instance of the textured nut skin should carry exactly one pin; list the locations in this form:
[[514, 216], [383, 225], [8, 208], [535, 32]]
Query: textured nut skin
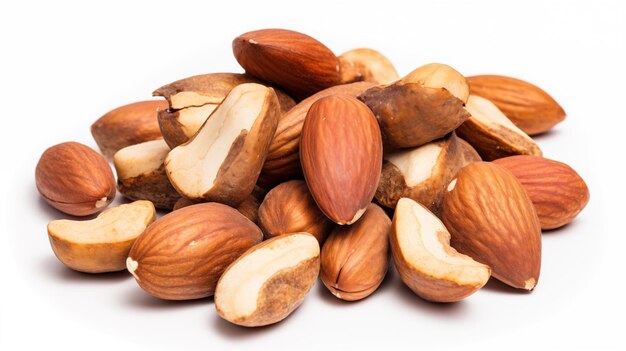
[[75, 179], [155, 187], [182, 255], [290, 208], [528, 106], [556, 190], [341, 156], [367, 65], [249, 207], [283, 159], [127, 125], [411, 115], [469, 154], [491, 219], [355, 258], [294, 61]]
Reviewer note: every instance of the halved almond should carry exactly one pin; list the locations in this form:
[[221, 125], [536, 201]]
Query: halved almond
[[223, 160], [178, 126], [367, 65], [438, 75], [492, 134], [269, 281], [426, 262], [101, 244]]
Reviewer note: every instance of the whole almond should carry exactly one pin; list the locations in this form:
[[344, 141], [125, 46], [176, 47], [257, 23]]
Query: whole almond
[[526, 105], [355, 258], [556, 190], [75, 179], [341, 156], [182, 255], [294, 61], [491, 219]]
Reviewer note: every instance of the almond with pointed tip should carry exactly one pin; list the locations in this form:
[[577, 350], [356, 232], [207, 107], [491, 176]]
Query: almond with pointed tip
[[526, 105], [101, 244], [556, 190], [182, 255], [75, 179], [293, 61], [491, 219], [355, 258], [269, 281], [341, 156], [426, 262], [492, 134]]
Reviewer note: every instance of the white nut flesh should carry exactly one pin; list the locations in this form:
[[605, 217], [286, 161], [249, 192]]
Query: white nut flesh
[[417, 165], [488, 114], [190, 98], [140, 159], [437, 75], [191, 119]]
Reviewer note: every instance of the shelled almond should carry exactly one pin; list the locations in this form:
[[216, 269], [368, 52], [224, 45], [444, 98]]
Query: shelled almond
[[270, 176]]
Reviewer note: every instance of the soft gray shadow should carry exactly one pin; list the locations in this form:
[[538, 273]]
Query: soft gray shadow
[[561, 230], [552, 133], [411, 300], [236, 332], [137, 298], [495, 285], [55, 269]]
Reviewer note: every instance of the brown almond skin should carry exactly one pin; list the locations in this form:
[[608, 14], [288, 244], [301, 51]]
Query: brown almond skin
[[531, 109], [355, 258], [249, 207], [75, 179], [341, 156], [182, 255], [154, 186], [469, 154], [283, 159], [411, 115], [290, 208], [491, 219], [294, 61], [127, 125], [556, 190]]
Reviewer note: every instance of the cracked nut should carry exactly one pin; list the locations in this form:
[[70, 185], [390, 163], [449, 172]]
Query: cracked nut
[[269, 281], [366, 65]]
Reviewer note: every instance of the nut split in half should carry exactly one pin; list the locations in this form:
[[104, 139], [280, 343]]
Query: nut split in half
[[101, 244], [426, 262], [492, 134], [141, 174], [223, 160], [269, 281], [366, 65]]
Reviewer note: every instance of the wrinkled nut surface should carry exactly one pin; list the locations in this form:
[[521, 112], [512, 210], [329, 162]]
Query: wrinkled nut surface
[[426, 262], [283, 159], [367, 65], [556, 190], [75, 179], [491, 219], [290, 208], [492, 134], [526, 105], [293, 61], [355, 258], [127, 125], [222, 162], [141, 174], [420, 173], [193, 99], [269, 281], [249, 207], [341, 156], [182, 255], [412, 114], [438, 75], [101, 244]]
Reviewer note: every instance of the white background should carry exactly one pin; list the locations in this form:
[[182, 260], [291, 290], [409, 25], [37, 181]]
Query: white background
[[65, 64]]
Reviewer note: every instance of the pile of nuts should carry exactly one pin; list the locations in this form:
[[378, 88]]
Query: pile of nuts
[[271, 177]]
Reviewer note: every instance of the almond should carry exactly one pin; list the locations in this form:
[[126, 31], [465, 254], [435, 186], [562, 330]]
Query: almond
[[283, 159], [101, 244], [182, 255], [293, 61], [223, 160], [491, 219], [127, 125], [556, 190], [75, 179], [341, 156], [355, 258], [367, 65], [526, 105], [290, 208], [269, 281], [141, 174], [469, 154], [426, 262], [249, 207], [492, 134]]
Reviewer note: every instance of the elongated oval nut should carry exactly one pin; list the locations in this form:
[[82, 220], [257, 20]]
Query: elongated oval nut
[[341, 155], [438, 75], [269, 281], [368, 65], [426, 262]]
